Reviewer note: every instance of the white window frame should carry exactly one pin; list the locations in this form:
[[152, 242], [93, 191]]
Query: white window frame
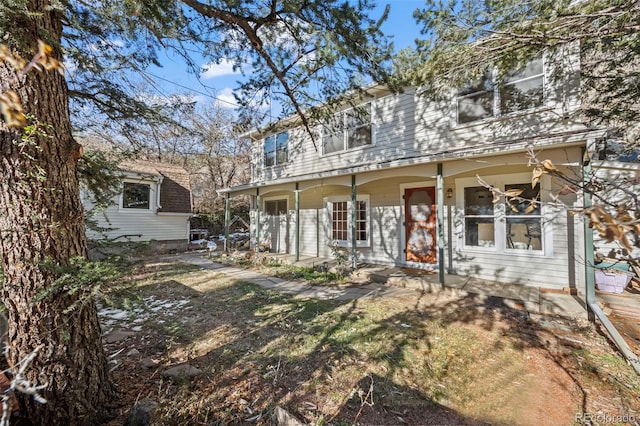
[[274, 198], [153, 196], [329, 201], [275, 149], [342, 119], [539, 216], [500, 218], [497, 95]]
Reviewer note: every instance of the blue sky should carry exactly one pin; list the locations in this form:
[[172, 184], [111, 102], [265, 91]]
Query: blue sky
[[218, 81]]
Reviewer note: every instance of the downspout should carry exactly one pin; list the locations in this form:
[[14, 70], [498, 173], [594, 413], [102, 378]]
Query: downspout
[[227, 220], [354, 237], [158, 188], [440, 222], [257, 248], [590, 292], [297, 206]]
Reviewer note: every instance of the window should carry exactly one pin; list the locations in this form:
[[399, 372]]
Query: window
[[511, 220], [476, 102], [340, 216], [340, 221], [522, 89], [517, 91], [275, 207], [347, 130], [136, 195], [479, 228], [524, 218], [276, 149]]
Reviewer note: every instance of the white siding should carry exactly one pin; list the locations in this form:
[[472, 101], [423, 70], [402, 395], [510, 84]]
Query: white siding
[[409, 125], [620, 183], [151, 226], [139, 225]]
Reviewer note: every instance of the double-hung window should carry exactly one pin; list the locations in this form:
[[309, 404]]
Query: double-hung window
[[340, 213], [522, 89], [348, 129], [476, 102], [504, 218], [523, 216], [479, 218], [276, 149], [518, 90]]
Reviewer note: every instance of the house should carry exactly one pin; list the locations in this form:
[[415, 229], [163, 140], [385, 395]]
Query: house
[[404, 180], [154, 206]]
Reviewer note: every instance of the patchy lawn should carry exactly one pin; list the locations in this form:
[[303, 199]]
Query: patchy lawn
[[424, 359]]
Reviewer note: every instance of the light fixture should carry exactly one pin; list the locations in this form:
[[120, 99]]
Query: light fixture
[[449, 192]]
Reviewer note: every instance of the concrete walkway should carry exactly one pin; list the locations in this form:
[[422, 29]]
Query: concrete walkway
[[297, 288], [529, 299]]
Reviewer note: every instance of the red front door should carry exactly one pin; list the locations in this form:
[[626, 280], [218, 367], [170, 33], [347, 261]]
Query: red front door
[[420, 224]]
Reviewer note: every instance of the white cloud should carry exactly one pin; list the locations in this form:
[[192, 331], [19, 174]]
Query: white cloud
[[226, 97], [212, 70]]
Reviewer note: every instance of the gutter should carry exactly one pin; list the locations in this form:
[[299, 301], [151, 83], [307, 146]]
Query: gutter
[[590, 291]]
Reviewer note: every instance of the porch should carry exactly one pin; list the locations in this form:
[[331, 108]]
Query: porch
[[520, 297]]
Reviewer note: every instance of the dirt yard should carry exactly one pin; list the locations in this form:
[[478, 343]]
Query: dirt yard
[[424, 359]]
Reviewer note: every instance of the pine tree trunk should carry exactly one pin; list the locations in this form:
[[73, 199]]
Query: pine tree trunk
[[41, 219]]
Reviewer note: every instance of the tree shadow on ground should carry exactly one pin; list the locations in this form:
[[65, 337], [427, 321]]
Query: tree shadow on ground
[[462, 360]]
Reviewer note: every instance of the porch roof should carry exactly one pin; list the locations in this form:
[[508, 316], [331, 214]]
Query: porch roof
[[564, 140]]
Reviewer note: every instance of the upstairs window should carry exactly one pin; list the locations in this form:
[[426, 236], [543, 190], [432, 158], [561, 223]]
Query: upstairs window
[[136, 196], [347, 130], [522, 89], [276, 149], [476, 102], [517, 91]]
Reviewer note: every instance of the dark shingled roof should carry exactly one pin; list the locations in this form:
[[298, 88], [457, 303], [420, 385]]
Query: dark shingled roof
[[175, 191]]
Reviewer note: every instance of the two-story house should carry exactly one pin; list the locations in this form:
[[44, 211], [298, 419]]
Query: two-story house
[[405, 180]]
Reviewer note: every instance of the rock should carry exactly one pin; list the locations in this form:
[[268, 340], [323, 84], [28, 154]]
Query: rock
[[148, 363], [340, 270], [141, 413], [133, 352], [282, 417], [184, 370], [118, 336]]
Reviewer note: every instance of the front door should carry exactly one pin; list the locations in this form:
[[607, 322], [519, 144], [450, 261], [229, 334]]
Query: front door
[[420, 224]]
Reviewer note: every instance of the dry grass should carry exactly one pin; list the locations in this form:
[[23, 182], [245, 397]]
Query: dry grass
[[419, 360]]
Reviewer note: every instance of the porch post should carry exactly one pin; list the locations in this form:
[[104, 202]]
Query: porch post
[[589, 276], [297, 202], [354, 237], [440, 222], [257, 248], [227, 220]]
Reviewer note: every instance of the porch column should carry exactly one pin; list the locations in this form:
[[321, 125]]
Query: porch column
[[227, 220], [257, 248], [440, 221], [589, 274], [354, 237], [297, 204]]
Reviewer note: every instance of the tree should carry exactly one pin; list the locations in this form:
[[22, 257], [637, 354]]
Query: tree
[[41, 225], [463, 40], [300, 50]]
